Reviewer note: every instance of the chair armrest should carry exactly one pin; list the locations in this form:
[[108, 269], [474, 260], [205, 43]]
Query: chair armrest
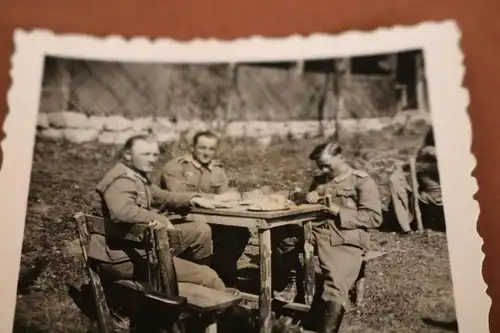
[[176, 301]]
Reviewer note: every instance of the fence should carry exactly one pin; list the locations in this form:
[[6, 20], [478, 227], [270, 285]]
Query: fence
[[208, 92]]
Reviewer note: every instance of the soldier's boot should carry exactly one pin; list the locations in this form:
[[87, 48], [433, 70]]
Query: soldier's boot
[[332, 317], [237, 315], [288, 294]]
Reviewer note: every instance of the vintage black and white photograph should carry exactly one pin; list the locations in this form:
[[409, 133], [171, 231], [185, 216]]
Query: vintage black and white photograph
[[287, 194]]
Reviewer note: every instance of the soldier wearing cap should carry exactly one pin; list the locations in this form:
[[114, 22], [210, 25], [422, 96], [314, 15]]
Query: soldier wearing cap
[[341, 240], [199, 172], [126, 196]]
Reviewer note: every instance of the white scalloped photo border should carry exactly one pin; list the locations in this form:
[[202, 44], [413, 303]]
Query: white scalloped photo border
[[448, 101]]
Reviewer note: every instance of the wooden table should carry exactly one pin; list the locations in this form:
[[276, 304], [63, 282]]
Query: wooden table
[[264, 221]]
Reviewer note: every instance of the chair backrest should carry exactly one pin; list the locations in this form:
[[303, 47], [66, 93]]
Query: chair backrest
[[163, 242], [129, 232]]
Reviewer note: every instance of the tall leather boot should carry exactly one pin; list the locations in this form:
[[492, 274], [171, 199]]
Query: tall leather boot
[[332, 317]]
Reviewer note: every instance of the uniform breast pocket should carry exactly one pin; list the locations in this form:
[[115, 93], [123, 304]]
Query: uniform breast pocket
[[141, 199], [217, 183], [216, 187], [348, 197], [191, 180]]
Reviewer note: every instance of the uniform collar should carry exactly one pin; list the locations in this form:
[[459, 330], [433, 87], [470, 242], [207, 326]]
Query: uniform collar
[[340, 178], [190, 158], [131, 172]]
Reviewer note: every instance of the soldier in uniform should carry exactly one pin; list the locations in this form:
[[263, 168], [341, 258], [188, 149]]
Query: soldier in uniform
[[199, 172], [341, 240], [429, 183], [126, 196]]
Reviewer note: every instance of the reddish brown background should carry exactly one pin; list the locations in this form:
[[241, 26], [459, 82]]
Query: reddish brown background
[[227, 19]]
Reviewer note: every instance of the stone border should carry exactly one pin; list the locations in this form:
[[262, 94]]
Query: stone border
[[79, 128]]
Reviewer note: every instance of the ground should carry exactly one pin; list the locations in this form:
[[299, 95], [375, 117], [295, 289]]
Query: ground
[[408, 290]]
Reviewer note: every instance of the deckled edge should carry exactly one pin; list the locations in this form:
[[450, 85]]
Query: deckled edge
[[472, 321], [112, 41]]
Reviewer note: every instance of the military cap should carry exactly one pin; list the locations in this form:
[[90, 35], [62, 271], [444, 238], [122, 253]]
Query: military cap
[[329, 147]]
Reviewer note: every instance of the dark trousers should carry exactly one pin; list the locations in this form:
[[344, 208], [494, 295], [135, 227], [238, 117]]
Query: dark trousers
[[340, 264], [229, 244], [188, 265]]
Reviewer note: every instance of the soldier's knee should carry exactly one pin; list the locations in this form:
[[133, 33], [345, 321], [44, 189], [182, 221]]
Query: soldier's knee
[[202, 233], [205, 231], [210, 278]]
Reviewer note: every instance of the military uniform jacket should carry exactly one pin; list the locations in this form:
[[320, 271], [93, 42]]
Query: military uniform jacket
[[186, 174], [360, 206], [125, 196]]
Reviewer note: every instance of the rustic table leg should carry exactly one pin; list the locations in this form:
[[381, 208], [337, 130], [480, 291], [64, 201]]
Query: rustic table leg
[[212, 328], [265, 280], [310, 273]]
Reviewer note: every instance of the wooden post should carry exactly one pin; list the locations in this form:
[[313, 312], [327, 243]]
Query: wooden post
[[233, 78], [159, 89], [341, 79], [104, 320], [299, 67], [414, 186], [393, 70], [64, 81], [420, 83], [403, 100], [265, 280], [310, 273], [322, 105]]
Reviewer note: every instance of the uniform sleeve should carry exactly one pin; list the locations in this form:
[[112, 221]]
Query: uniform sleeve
[[171, 200], [317, 180], [172, 178], [224, 186], [368, 214], [121, 198]]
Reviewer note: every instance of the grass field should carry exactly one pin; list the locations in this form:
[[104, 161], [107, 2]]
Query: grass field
[[408, 290]]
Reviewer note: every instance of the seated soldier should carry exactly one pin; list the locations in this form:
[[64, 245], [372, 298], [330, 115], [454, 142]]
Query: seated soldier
[[428, 185], [342, 239], [199, 172], [126, 196], [427, 172]]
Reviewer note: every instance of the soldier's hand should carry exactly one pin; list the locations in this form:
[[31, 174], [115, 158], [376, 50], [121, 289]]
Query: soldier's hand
[[312, 197], [334, 208], [202, 202], [155, 224]]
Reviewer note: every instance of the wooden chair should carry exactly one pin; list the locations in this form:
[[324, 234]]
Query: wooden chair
[[162, 304]]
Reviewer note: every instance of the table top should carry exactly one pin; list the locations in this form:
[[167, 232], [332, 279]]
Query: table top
[[242, 211]]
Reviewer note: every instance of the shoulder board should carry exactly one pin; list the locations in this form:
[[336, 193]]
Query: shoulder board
[[130, 174], [216, 163], [182, 159], [135, 176], [360, 173], [125, 175]]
